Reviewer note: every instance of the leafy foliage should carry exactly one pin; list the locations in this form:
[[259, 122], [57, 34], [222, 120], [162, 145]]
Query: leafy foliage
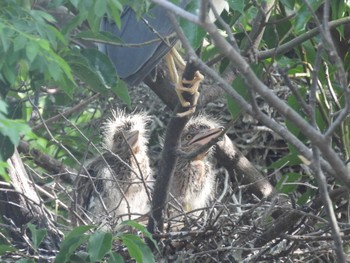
[[51, 65], [100, 246]]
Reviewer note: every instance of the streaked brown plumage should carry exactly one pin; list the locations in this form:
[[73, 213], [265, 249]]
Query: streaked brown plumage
[[120, 189], [193, 182]]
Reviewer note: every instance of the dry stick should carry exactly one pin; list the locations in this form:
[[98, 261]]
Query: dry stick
[[321, 179], [310, 132], [338, 167], [47, 162], [258, 26], [290, 218], [307, 238], [300, 39], [67, 112], [26, 195], [74, 158]]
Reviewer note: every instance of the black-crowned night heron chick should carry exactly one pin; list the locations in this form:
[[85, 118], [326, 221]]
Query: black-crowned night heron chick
[[120, 179], [193, 182], [146, 42]]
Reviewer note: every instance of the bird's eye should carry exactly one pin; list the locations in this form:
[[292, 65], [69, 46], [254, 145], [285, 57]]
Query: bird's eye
[[188, 137], [118, 138]]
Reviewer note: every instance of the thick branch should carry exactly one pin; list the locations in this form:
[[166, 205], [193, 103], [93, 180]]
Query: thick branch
[[282, 49], [234, 161], [24, 204], [168, 161], [45, 161], [254, 83]]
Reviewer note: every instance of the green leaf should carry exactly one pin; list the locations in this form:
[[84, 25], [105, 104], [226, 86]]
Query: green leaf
[[295, 104], [99, 244], [193, 32], [3, 172], [99, 36], [137, 248], [233, 107], [275, 33], [239, 85], [307, 196], [54, 71], [19, 43], [13, 129], [121, 90], [7, 148], [100, 8], [6, 249], [38, 235], [288, 3], [142, 229], [114, 10], [9, 72], [74, 23], [31, 51], [303, 15], [5, 40], [237, 5], [79, 256], [284, 185], [25, 260], [289, 160], [3, 107], [42, 15], [71, 242], [102, 65], [93, 71], [115, 258]]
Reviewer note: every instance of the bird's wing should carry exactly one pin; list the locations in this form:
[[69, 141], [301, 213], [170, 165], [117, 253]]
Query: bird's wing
[[133, 64], [84, 185]]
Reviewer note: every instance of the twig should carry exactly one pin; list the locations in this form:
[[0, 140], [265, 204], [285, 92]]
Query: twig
[[67, 112]]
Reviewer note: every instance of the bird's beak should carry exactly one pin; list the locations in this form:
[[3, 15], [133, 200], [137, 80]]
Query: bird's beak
[[205, 137], [133, 141]]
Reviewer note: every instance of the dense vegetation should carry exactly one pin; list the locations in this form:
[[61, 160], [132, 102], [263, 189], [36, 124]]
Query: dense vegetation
[[277, 74]]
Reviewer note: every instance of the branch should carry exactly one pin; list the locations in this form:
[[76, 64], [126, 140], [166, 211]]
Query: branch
[[290, 219], [237, 165], [282, 49], [47, 162], [340, 171], [258, 27], [169, 155], [68, 112], [24, 204]]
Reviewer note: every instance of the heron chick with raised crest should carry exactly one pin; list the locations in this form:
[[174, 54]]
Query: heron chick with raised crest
[[119, 181]]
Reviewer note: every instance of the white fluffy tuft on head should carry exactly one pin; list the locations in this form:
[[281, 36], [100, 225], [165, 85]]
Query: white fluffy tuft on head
[[119, 121], [203, 120]]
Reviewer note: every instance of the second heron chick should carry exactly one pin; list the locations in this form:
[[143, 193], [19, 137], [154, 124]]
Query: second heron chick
[[193, 182], [120, 179]]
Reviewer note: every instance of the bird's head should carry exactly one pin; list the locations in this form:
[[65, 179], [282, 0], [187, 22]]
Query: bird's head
[[126, 131], [199, 131]]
